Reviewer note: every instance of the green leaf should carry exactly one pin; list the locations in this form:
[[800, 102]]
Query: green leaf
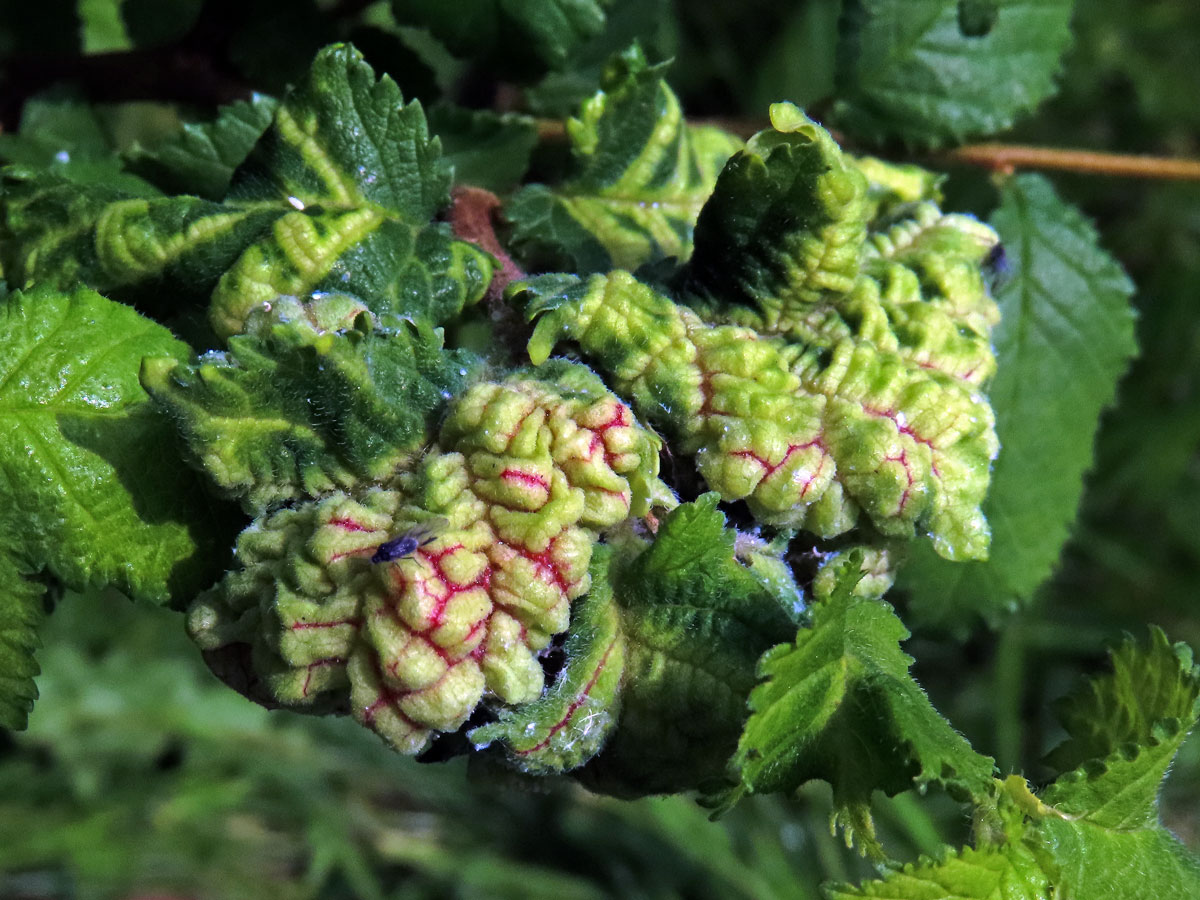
[[840, 705], [57, 233], [55, 128], [343, 140], [398, 270], [642, 174], [1065, 338], [694, 620], [102, 29], [1145, 864], [61, 134], [1146, 686], [202, 157], [567, 725], [931, 71], [93, 488], [336, 196], [649, 23], [298, 409], [786, 222], [158, 22], [516, 36], [1125, 729], [47, 226], [360, 177], [1010, 872], [20, 614], [484, 148], [1095, 831]]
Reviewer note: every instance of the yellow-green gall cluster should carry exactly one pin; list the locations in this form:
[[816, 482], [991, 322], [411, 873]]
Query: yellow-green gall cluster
[[826, 356], [410, 604], [809, 437], [848, 249]]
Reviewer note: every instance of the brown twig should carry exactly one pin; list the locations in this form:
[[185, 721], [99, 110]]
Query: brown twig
[[473, 213], [473, 216], [1007, 158], [1004, 158]]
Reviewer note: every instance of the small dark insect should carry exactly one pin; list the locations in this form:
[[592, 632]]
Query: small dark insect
[[997, 258], [406, 544], [996, 267]]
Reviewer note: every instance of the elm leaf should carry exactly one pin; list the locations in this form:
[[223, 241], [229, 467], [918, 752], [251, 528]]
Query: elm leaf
[[641, 175], [694, 620], [20, 614], [1010, 872], [337, 195], [56, 232], [92, 483], [295, 410], [1142, 864], [1067, 323], [568, 724], [1124, 731], [344, 140], [201, 158], [932, 71]]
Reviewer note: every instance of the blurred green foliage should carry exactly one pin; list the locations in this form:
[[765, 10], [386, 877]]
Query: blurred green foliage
[[141, 774]]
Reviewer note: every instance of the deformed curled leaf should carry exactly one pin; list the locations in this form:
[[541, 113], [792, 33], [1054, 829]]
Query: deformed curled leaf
[[809, 437], [305, 402], [786, 223], [570, 722], [20, 615], [526, 471], [57, 233], [343, 139], [337, 195], [641, 175], [1066, 322]]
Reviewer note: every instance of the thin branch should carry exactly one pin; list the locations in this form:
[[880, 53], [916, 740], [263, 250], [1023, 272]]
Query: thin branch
[[1010, 157], [996, 157]]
